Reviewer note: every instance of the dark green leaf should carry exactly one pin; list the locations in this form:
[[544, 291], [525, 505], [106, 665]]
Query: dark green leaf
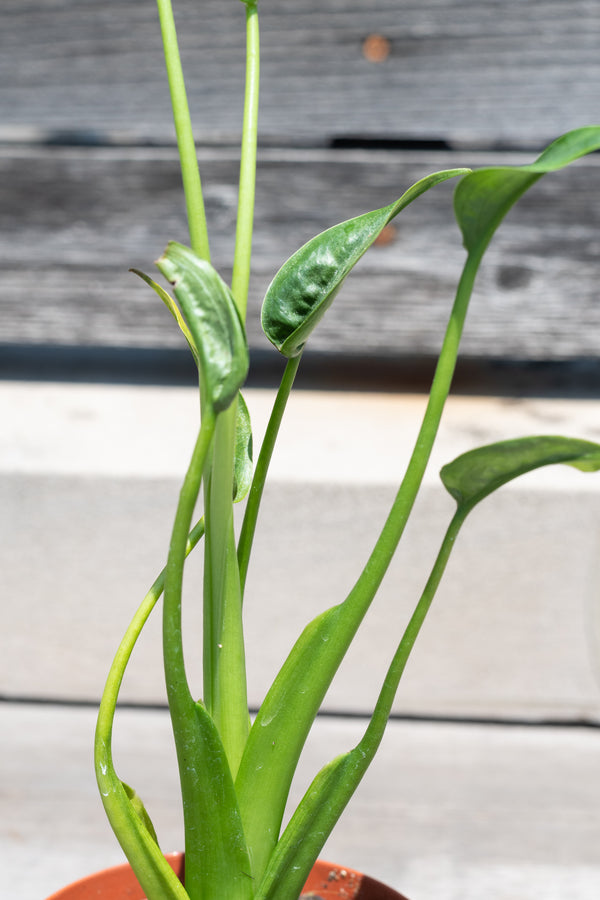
[[482, 198], [306, 285], [475, 474], [214, 322]]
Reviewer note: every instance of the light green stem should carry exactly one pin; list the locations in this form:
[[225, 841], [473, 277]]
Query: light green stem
[[330, 791], [148, 864], [224, 659], [182, 706], [224, 672], [291, 704], [245, 215], [185, 137], [262, 466]]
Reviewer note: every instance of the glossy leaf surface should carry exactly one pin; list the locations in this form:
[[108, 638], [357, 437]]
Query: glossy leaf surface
[[475, 474], [482, 198], [213, 320], [306, 285]]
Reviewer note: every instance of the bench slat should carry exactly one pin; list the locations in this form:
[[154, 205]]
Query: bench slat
[[461, 71], [75, 219]]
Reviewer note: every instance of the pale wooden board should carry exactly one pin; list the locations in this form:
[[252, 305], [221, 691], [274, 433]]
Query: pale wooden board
[[453, 811], [460, 70], [73, 220], [88, 486]]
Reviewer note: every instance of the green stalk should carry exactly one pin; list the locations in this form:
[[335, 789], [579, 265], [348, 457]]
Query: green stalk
[[286, 715], [328, 795], [245, 214], [225, 678], [185, 137], [262, 466], [224, 667], [184, 717], [385, 547]]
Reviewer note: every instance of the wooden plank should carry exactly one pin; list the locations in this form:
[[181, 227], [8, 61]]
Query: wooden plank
[[462, 71], [89, 477], [445, 811], [73, 220]]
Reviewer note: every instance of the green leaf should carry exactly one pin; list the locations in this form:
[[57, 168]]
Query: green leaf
[[155, 875], [475, 474], [140, 809], [173, 309], [283, 722], [482, 198], [242, 464], [306, 285], [220, 858], [213, 320], [310, 825]]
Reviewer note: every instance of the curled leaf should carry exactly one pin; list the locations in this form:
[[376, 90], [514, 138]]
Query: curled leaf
[[140, 809], [214, 322], [306, 285], [474, 475], [482, 198]]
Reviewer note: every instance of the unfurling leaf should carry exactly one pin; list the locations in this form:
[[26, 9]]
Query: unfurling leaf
[[482, 198], [213, 319], [140, 809], [306, 285], [476, 474]]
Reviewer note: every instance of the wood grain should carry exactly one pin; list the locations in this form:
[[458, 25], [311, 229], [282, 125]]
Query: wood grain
[[73, 220], [460, 71]]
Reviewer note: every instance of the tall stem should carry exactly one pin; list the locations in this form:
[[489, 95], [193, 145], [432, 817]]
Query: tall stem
[[262, 466], [224, 668], [190, 173], [385, 547], [245, 215]]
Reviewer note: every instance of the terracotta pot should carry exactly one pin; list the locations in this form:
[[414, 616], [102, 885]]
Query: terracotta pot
[[326, 881]]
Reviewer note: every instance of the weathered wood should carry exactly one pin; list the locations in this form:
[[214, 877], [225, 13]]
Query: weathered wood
[[74, 219], [460, 71], [445, 811], [89, 477]]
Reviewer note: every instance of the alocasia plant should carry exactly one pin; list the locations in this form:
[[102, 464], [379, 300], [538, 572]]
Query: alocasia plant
[[235, 775]]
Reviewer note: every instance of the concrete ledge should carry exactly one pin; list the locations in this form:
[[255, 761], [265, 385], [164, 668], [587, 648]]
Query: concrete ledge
[[448, 811], [89, 477]]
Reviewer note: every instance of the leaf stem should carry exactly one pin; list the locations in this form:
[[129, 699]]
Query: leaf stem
[[376, 567], [181, 703], [147, 864], [247, 183], [262, 466], [332, 788], [293, 700], [185, 137], [224, 672]]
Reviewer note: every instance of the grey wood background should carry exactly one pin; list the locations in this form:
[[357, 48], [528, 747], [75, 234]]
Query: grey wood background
[[90, 185]]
